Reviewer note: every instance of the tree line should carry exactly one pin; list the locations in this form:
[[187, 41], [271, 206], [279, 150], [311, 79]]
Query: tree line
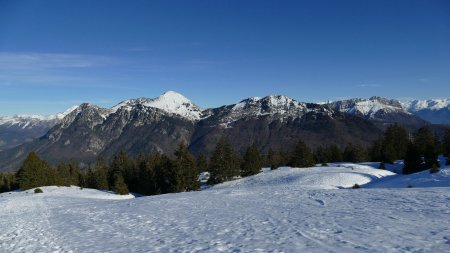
[[152, 174]]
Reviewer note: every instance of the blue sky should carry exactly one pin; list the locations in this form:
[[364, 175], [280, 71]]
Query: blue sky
[[54, 54]]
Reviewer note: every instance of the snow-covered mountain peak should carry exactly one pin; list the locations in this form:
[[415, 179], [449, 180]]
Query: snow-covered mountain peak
[[170, 102], [173, 97], [173, 102]]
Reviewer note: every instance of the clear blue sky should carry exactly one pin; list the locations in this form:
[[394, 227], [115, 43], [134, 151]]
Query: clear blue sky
[[54, 54]]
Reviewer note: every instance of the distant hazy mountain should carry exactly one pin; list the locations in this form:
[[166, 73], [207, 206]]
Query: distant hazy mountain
[[436, 111], [381, 111], [17, 129]]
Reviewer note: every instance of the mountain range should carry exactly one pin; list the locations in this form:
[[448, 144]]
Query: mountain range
[[87, 131]]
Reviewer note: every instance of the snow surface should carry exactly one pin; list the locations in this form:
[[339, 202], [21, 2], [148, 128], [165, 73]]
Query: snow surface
[[420, 179], [286, 210]]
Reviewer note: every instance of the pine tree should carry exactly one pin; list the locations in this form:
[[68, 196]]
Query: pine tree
[[354, 153], [224, 164], [376, 151], [446, 146], [252, 162], [166, 176], [202, 162], [7, 182], [74, 172], [146, 182], [274, 159], [100, 175], [68, 173], [125, 166], [321, 155], [413, 160], [187, 169], [394, 143], [426, 144], [64, 173], [334, 153], [120, 186], [301, 156], [33, 172]]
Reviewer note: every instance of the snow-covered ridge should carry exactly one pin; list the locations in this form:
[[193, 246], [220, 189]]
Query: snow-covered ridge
[[25, 121], [276, 107], [430, 104], [270, 105], [368, 107]]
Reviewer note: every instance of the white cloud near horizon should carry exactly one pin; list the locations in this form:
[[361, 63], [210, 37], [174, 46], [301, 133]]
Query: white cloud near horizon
[[369, 85], [53, 69], [9, 60]]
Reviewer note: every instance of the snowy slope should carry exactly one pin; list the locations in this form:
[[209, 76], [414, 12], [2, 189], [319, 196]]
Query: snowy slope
[[287, 210], [344, 175], [420, 179]]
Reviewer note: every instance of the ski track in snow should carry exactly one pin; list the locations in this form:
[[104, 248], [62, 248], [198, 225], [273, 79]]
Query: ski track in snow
[[248, 215]]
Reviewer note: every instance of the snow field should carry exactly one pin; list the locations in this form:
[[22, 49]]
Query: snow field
[[286, 210]]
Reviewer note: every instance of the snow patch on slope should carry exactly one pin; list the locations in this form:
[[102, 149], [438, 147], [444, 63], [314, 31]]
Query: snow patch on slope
[[74, 192], [332, 177]]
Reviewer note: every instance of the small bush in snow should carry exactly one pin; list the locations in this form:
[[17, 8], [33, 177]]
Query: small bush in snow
[[356, 186], [434, 169], [325, 164], [38, 190], [382, 166], [409, 186]]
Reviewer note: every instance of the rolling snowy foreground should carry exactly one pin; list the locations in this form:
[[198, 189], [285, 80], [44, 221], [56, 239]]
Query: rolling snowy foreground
[[287, 210]]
